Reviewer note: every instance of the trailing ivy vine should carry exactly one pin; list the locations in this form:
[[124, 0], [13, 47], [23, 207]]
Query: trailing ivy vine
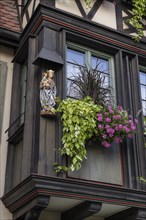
[[138, 11], [79, 124]]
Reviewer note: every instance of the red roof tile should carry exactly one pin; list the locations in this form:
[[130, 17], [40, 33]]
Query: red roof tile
[[8, 15]]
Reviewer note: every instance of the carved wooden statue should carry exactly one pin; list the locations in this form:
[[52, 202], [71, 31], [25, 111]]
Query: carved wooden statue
[[47, 92]]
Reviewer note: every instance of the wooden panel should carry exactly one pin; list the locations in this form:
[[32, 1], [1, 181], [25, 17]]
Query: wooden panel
[[30, 109], [3, 77], [47, 146], [102, 165], [17, 163]]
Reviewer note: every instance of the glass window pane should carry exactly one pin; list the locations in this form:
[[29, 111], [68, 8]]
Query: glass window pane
[[144, 107], [74, 56], [100, 64], [143, 78], [72, 90], [143, 92], [72, 70]]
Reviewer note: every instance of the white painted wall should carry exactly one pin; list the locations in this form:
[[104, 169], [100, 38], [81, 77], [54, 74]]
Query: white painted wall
[[68, 5], [6, 55], [105, 15]]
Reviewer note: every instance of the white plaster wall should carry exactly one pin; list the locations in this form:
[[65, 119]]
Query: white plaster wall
[[6, 55], [68, 5], [30, 8], [24, 21], [106, 15]]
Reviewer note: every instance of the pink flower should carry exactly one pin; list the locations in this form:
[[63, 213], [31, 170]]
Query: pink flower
[[99, 117], [111, 111], [117, 140], [120, 108], [130, 136], [110, 108], [104, 136], [108, 120], [100, 126], [105, 144], [116, 127], [126, 129], [136, 121], [132, 126], [111, 135], [117, 117], [120, 127]]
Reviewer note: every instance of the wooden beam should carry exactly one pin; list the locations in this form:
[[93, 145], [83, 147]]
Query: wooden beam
[[81, 211], [129, 214]]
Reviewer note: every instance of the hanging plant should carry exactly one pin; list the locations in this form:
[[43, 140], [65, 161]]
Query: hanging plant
[[79, 124]]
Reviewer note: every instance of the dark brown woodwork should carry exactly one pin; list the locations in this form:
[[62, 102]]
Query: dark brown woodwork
[[81, 9], [129, 214], [119, 20], [41, 185], [49, 3], [33, 209], [92, 11], [48, 54], [81, 211], [29, 128]]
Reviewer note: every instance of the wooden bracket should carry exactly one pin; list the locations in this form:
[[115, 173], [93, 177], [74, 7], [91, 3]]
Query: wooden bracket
[[81, 211]]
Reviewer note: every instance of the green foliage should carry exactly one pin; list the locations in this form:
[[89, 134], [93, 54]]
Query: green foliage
[[88, 3], [142, 179], [138, 11], [79, 124]]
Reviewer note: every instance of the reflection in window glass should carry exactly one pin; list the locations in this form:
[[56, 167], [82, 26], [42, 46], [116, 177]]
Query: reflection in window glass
[[102, 64], [143, 78], [143, 90], [74, 56]]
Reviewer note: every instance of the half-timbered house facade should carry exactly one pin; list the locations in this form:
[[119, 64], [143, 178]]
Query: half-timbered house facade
[[57, 34]]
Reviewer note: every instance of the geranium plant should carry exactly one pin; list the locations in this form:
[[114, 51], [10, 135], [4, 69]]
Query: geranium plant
[[114, 125]]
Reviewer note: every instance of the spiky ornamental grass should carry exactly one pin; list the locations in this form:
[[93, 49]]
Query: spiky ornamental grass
[[91, 82]]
